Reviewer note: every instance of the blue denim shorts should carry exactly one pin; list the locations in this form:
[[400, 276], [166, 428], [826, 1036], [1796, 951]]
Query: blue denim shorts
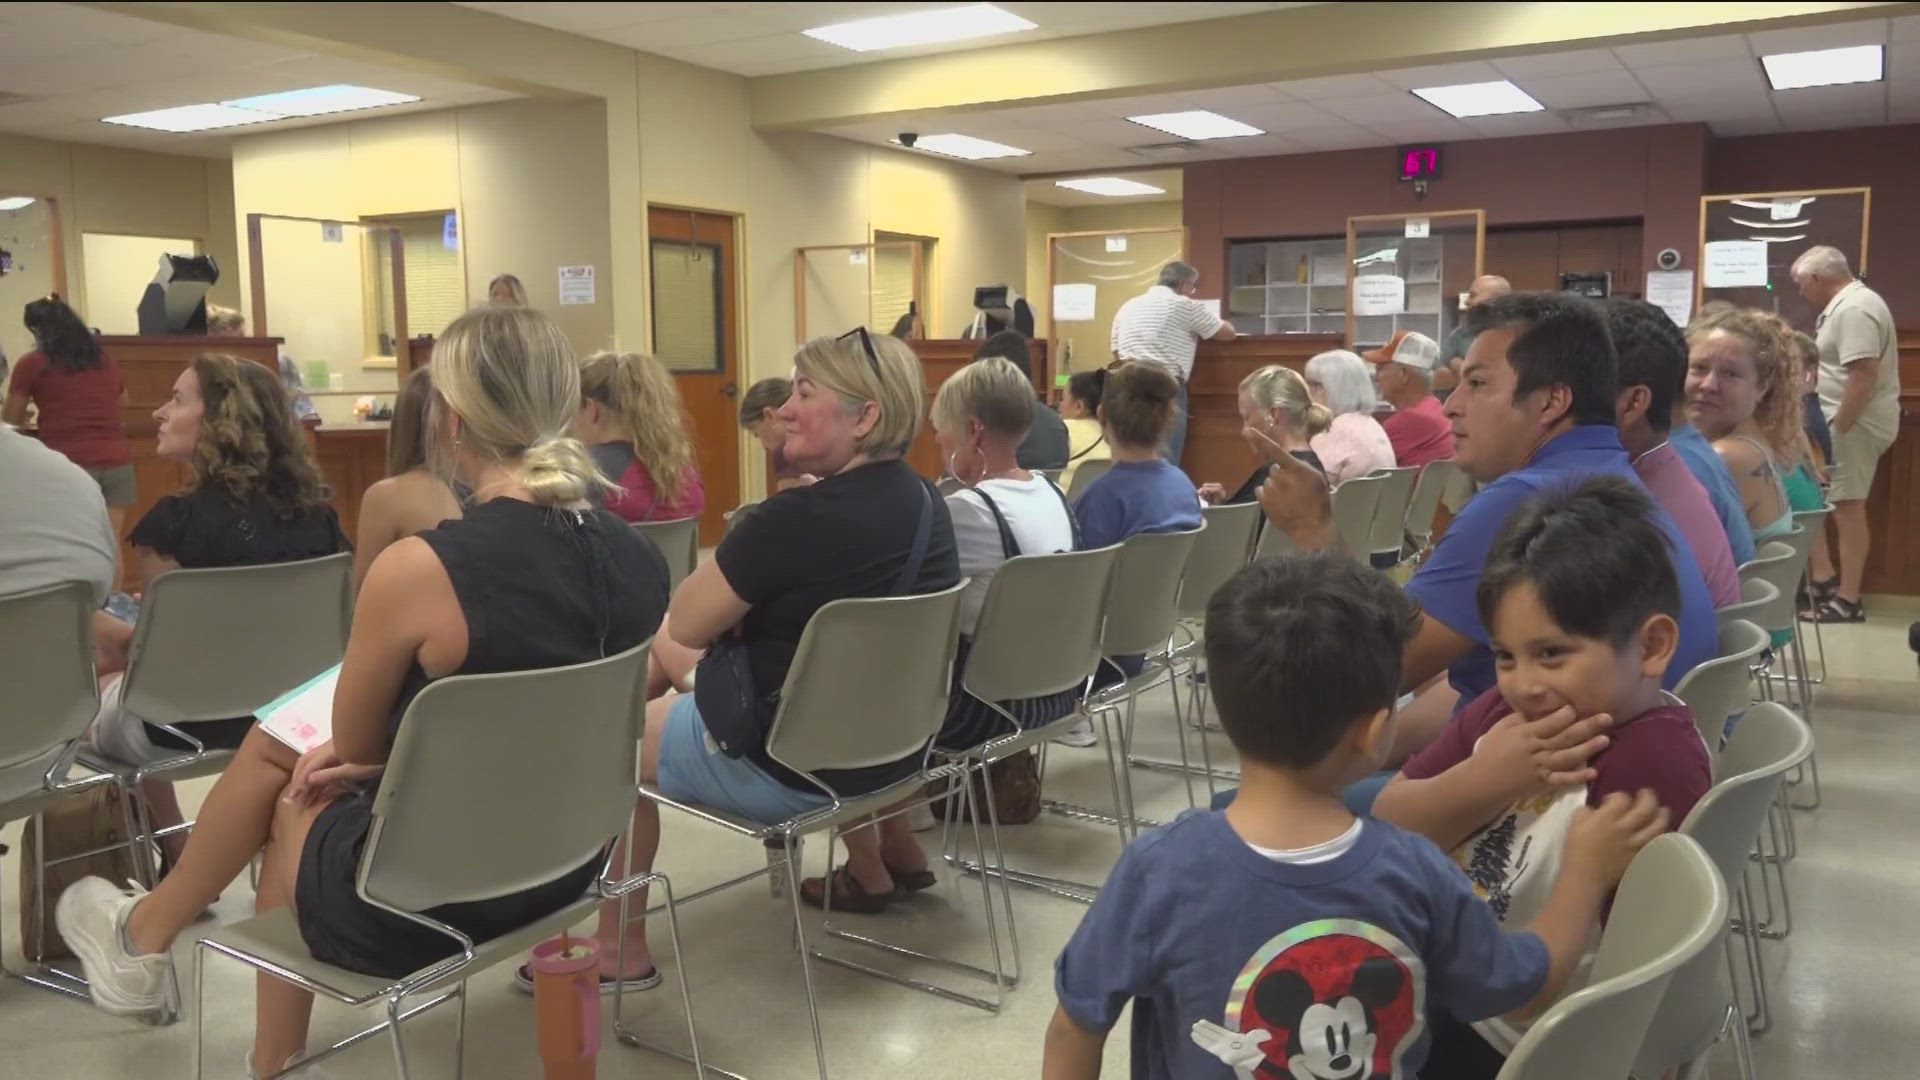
[[693, 769]]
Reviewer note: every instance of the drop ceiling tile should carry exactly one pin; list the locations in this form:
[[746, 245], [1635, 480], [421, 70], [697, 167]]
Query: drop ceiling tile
[[767, 49], [1441, 75], [1717, 111], [1572, 62], [677, 34], [1283, 116], [1707, 79], [1337, 137], [1227, 97], [1830, 36], [1256, 146], [1584, 91], [1904, 112], [1732, 128], [1501, 127], [1402, 107], [1436, 128], [1684, 51], [1846, 106], [1116, 132], [1903, 66], [1333, 86]]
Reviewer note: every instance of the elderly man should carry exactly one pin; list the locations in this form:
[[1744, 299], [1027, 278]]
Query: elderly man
[[1417, 429], [1860, 395], [1447, 375], [1163, 326]]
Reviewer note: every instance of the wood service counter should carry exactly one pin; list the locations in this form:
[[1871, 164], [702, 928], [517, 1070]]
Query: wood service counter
[[1893, 506], [1215, 452], [351, 456], [940, 358]]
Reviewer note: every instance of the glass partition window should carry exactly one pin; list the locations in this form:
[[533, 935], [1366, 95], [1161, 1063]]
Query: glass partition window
[[1408, 272], [841, 286], [688, 332], [436, 279], [1093, 274], [1288, 286], [1748, 244]]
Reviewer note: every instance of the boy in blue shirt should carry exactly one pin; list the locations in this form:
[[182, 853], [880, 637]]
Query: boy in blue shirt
[[1284, 937]]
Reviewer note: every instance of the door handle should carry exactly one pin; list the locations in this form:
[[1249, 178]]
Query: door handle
[[731, 390]]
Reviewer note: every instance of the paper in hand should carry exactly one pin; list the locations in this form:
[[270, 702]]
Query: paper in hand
[[302, 717]]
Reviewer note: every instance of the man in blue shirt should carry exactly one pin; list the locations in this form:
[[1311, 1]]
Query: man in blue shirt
[[1707, 467], [1534, 408]]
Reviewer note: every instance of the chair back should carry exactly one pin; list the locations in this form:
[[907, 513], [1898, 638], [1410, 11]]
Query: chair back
[[558, 742], [46, 666], [1725, 822], [1779, 565], [1721, 688], [1671, 908], [1223, 546], [222, 642], [1085, 473], [1756, 596], [1144, 604], [1353, 505], [1810, 526], [1424, 504], [1388, 532], [1039, 628], [1271, 543], [679, 541], [869, 682]]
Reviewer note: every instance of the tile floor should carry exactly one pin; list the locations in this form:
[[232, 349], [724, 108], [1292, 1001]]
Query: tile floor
[[1843, 982]]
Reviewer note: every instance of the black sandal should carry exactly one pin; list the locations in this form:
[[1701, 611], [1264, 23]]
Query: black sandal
[[1839, 609], [912, 881], [848, 894]]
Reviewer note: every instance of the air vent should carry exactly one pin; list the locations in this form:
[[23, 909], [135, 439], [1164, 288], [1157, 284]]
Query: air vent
[[1167, 151], [1632, 112]]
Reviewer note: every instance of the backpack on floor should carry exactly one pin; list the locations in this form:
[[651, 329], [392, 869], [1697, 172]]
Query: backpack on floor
[[80, 822]]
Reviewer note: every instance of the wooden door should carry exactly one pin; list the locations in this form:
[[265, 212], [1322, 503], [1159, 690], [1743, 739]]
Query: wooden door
[[693, 278]]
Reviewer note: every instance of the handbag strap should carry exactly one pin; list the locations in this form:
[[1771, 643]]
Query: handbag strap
[[1088, 449], [924, 532], [1073, 520], [1009, 546]]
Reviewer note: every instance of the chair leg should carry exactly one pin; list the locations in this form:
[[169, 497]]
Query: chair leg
[[1762, 1018], [1742, 1044], [399, 1043], [199, 1010], [460, 1033], [999, 863], [1180, 726], [806, 962]]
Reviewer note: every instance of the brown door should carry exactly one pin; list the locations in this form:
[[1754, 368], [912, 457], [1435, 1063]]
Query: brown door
[[691, 270]]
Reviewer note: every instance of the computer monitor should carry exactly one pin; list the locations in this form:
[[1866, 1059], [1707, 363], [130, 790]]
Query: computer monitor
[[998, 308], [175, 303]]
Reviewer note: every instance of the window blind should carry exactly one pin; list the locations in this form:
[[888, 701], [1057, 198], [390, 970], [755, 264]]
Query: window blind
[[686, 304]]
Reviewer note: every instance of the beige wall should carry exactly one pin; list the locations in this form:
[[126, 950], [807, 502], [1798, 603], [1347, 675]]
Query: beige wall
[[118, 269], [1090, 339]]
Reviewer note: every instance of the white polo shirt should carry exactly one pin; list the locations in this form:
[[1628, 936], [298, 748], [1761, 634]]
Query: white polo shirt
[[1162, 327], [1856, 325]]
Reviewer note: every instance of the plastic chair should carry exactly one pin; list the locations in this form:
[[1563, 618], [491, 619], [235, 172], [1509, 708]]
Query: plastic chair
[[1782, 565], [1670, 909], [1700, 1007], [1387, 536], [1424, 505], [868, 686], [46, 665], [679, 541], [1814, 522], [1719, 690], [218, 643], [1085, 474], [432, 842], [1353, 505], [1756, 597]]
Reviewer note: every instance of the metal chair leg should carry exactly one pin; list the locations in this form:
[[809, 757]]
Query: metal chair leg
[[460, 1033], [199, 1010], [806, 962], [399, 1042]]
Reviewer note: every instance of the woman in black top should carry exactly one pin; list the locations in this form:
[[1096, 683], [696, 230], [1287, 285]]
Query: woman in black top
[[1274, 400], [532, 577]]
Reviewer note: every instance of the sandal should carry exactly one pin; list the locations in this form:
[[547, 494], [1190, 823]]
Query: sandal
[[1839, 609], [1818, 592], [911, 881], [848, 894]]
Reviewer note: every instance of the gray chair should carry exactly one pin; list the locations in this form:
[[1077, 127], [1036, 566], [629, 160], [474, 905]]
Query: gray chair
[[1756, 597], [1782, 564], [1814, 524], [1424, 505], [868, 686], [432, 842], [1085, 474], [1720, 689], [1353, 505], [46, 666], [1670, 908], [679, 541], [1700, 1005], [222, 642], [1387, 537]]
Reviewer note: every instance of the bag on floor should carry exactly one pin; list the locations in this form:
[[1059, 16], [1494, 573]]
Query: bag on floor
[[1016, 791], [81, 821]]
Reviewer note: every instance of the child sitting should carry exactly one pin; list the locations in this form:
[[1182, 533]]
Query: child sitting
[[1581, 600], [1283, 936]]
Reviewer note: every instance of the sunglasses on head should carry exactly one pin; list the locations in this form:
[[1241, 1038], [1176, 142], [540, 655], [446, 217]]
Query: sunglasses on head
[[866, 343]]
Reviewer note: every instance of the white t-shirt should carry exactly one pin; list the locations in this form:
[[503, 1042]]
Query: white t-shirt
[[1162, 327], [1035, 513], [53, 520]]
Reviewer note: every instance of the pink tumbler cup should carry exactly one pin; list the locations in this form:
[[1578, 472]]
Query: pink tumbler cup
[[566, 1001]]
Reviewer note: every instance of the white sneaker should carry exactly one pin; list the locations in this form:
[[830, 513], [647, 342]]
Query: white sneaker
[[1080, 734], [921, 819], [90, 916]]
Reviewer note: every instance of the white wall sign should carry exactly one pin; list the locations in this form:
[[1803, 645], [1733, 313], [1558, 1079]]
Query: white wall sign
[[857, 257], [1116, 243], [1379, 294], [332, 232], [576, 285], [1073, 303], [1212, 306], [1732, 264], [1417, 227], [1672, 292]]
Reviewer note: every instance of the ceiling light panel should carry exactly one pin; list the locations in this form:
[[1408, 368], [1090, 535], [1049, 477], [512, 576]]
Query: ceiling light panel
[[321, 100], [966, 147], [928, 27], [1197, 124], [1480, 99], [16, 202], [1825, 67], [1112, 186], [193, 118]]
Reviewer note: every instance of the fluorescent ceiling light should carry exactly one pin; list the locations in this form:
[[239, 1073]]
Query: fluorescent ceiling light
[[15, 202], [314, 101], [1825, 67], [920, 27], [965, 146], [321, 100], [1115, 186], [1197, 124], [1480, 99]]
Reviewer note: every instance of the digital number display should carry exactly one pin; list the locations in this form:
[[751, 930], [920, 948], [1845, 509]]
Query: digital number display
[[1419, 162]]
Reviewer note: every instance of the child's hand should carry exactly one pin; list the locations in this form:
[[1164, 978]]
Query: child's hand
[[1534, 756], [1603, 839]]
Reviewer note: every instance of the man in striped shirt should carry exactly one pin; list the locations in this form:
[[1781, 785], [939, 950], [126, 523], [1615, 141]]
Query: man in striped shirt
[[1163, 326]]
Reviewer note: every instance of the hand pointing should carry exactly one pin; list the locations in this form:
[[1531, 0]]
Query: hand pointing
[[1295, 496]]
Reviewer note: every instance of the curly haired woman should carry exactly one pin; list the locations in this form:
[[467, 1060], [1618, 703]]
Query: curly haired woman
[[631, 420]]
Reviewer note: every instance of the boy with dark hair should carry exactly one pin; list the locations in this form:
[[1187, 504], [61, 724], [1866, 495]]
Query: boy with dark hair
[[1284, 936], [1581, 602]]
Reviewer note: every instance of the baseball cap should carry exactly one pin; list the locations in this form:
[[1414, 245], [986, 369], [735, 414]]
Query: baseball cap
[[1407, 347]]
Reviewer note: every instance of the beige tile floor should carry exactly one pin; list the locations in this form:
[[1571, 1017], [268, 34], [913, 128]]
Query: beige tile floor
[[1844, 983]]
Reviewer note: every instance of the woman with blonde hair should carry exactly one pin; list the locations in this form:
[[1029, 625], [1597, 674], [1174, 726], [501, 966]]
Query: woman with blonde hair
[[1354, 443], [1274, 401], [532, 577], [1741, 395], [631, 420], [506, 290], [411, 498]]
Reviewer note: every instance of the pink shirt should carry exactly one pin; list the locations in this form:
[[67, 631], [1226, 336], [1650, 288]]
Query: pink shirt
[[1354, 445], [1676, 489], [1419, 434]]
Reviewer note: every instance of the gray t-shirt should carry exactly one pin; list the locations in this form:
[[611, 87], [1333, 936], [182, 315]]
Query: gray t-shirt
[[1856, 325], [53, 520]]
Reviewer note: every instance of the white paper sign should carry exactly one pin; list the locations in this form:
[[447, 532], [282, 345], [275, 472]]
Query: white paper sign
[[1116, 243], [1379, 294], [1417, 227], [857, 258], [576, 285], [1212, 306], [332, 232], [1732, 264], [1672, 292], [1073, 303], [1786, 209]]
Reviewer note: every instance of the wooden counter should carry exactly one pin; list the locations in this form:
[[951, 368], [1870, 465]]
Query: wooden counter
[[940, 358], [351, 456], [1893, 506], [1215, 452]]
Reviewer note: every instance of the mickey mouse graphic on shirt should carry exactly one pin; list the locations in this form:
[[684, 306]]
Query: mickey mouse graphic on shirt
[[1333, 999]]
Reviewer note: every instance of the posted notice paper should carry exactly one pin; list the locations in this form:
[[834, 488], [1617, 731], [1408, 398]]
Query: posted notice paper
[[1734, 264], [303, 716], [1672, 292]]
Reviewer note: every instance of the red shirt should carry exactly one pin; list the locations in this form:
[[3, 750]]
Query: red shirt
[[79, 410], [1419, 434]]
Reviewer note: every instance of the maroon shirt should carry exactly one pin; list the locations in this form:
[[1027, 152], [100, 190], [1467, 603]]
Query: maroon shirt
[[79, 410]]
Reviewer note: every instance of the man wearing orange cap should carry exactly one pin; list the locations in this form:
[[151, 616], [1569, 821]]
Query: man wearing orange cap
[[1417, 429]]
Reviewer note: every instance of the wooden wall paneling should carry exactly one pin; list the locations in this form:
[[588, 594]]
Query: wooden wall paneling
[[1893, 510], [1215, 451], [940, 358]]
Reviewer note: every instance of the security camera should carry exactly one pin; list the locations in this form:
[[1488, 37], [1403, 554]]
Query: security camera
[[908, 138], [1668, 259]]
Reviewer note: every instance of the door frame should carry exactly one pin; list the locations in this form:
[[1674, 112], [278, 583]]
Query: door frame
[[733, 327]]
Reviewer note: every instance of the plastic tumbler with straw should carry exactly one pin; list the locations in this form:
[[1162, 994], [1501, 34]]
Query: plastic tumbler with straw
[[566, 1002]]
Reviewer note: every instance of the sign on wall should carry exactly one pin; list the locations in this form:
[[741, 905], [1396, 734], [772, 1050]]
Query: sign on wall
[[576, 285], [1733, 264], [1379, 294]]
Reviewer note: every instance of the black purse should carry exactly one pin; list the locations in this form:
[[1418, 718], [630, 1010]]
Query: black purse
[[737, 716]]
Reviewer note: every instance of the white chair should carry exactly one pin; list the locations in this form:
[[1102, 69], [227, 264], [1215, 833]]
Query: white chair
[[1782, 564], [1720, 689], [679, 541], [1085, 474], [570, 791], [1670, 908], [1387, 537], [1756, 597], [1424, 505], [1353, 505], [1814, 524]]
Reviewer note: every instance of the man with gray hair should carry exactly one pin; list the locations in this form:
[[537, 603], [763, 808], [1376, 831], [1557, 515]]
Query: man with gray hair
[[1163, 326], [1417, 428], [1860, 395]]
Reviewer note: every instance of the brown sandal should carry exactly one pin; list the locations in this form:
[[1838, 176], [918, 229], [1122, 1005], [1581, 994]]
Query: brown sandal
[[911, 881], [848, 894]]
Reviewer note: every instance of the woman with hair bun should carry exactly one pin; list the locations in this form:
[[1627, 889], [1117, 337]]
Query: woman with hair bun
[[1081, 412], [1142, 492]]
